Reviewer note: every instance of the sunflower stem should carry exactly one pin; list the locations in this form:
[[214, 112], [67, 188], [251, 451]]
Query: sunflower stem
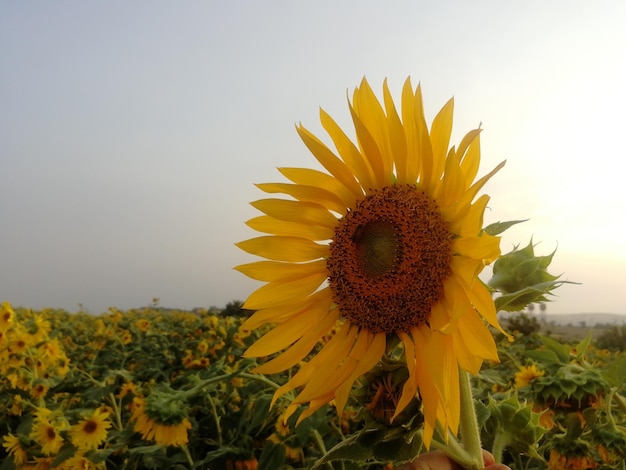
[[453, 449], [500, 441], [470, 433]]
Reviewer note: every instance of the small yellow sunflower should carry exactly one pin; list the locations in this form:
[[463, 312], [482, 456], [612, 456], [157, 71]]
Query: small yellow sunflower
[[89, 433], [79, 462], [389, 242], [526, 375], [47, 435], [14, 448], [7, 316]]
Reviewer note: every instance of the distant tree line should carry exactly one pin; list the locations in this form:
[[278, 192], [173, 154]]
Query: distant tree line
[[613, 339]]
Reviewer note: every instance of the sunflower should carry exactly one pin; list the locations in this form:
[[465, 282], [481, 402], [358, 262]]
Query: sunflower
[[389, 242], [89, 433], [47, 435], [14, 448], [526, 375], [171, 432], [7, 316]]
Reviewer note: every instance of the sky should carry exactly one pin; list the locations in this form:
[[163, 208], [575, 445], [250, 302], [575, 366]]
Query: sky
[[132, 133]]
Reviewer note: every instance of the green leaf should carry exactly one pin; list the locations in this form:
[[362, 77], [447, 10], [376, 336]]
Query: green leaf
[[352, 448], [518, 300], [581, 348], [615, 373], [543, 355], [562, 350], [498, 227], [272, 456]]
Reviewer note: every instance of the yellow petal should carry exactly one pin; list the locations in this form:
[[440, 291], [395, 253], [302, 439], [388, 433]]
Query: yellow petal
[[267, 224], [478, 338], [279, 337], [276, 293], [409, 388], [306, 213], [329, 160], [307, 176], [485, 247], [469, 153], [470, 223], [285, 311], [328, 359], [370, 124], [409, 122], [271, 271], [426, 159], [466, 270], [440, 137], [327, 379], [453, 184], [307, 193], [367, 353], [482, 301], [350, 154], [284, 248], [397, 138], [304, 345]]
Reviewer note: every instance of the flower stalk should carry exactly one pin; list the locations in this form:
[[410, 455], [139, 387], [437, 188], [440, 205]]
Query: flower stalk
[[470, 433]]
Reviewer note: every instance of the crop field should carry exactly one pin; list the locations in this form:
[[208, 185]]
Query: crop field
[[152, 389]]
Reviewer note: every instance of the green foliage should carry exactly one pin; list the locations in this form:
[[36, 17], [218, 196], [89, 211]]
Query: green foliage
[[189, 366], [613, 339], [521, 278], [523, 324]]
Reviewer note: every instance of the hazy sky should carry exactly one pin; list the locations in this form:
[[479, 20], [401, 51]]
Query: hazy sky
[[131, 133]]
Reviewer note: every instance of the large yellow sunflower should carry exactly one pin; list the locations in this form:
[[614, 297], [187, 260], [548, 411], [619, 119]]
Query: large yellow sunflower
[[389, 242]]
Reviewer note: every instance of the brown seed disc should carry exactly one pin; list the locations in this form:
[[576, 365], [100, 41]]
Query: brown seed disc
[[389, 258]]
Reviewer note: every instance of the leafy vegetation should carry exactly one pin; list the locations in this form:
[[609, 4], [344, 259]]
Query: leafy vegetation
[[154, 388]]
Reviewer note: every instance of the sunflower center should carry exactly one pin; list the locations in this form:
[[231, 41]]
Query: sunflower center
[[389, 258], [90, 427]]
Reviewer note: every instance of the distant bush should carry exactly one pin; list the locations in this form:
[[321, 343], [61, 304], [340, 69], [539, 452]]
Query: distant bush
[[614, 339], [523, 323]]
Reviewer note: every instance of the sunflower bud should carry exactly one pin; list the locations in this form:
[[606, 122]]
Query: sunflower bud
[[522, 278]]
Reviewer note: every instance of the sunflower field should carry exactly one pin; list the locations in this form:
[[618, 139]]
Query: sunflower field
[[153, 388]]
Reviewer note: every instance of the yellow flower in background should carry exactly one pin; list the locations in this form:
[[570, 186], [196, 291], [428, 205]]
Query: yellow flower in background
[[143, 324], [91, 432], [7, 316], [80, 462], [526, 375], [390, 242], [165, 434], [15, 449], [46, 434]]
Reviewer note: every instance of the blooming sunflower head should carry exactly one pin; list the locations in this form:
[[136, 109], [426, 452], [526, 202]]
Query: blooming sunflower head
[[90, 432], [388, 241], [527, 374]]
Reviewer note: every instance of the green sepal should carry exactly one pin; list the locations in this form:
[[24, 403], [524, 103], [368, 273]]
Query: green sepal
[[522, 278], [498, 227]]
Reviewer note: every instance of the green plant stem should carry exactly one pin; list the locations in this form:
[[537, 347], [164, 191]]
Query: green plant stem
[[500, 441], [621, 402], [470, 433], [317, 438], [453, 449], [216, 418]]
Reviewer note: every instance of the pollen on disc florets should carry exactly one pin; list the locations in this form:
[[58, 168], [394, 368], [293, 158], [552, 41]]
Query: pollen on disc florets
[[389, 258]]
